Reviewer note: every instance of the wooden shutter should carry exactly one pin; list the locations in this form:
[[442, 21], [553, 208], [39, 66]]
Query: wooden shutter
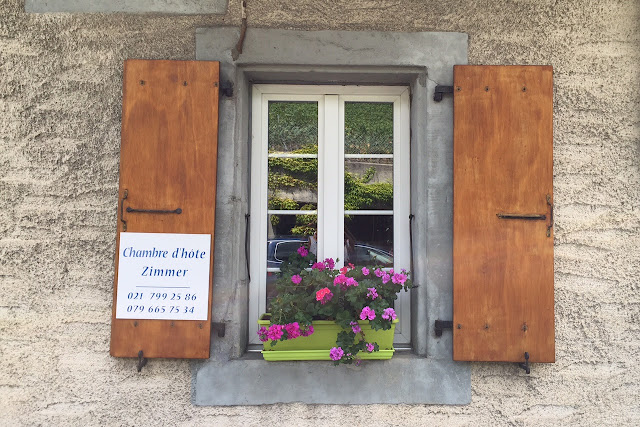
[[167, 161], [502, 214]]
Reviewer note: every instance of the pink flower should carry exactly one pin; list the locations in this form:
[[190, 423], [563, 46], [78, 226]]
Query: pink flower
[[340, 279], [303, 251], [378, 272], [308, 331], [262, 333], [370, 347], [293, 330], [399, 278], [367, 313], [389, 314], [365, 271], [351, 266], [373, 293], [318, 266], [275, 332], [336, 353], [386, 278], [330, 263], [324, 295], [296, 279], [351, 281], [355, 327]]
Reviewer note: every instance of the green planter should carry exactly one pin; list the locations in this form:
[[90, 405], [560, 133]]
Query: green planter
[[317, 345]]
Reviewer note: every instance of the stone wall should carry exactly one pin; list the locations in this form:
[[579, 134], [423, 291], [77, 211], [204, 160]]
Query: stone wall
[[60, 101]]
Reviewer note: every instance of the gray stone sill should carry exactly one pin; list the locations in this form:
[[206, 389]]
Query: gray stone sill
[[406, 378]]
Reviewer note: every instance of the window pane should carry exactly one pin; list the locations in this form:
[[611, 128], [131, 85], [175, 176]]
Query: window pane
[[290, 228], [368, 184], [293, 127], [295, 180], [369, 240], [368, 128]]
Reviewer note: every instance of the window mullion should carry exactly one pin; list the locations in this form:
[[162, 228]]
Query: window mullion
[[330, 229]]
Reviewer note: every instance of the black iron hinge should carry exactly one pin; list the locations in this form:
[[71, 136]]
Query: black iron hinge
[[441, 90], [226, 89], [442, 325]]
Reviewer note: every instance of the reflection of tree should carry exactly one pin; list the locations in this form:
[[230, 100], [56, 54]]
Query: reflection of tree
[[293, 128], [292, 125]]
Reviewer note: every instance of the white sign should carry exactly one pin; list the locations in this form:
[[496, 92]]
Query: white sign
[[163, 276]]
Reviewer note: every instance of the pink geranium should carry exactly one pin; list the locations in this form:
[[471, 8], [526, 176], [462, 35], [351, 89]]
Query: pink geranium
[[399, 278], [389, 314], [324, 295], [355, 327], [275, 332], [303, 251], [293, 330], [318, 266], [296, 278], [336, 353], [367, 313]]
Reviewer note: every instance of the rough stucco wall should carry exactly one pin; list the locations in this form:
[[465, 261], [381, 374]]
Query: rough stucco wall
[[60, 95]]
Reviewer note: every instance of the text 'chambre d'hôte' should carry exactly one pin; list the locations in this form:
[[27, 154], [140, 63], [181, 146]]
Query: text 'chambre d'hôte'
[[178, 253]]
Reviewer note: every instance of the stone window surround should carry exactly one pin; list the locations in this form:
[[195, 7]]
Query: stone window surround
[[420, 60]]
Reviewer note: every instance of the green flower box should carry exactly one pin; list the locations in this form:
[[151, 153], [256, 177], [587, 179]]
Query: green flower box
[[317, 345]]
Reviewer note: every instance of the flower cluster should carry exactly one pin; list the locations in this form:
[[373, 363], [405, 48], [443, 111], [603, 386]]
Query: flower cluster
[[309, 289], [283, 332]]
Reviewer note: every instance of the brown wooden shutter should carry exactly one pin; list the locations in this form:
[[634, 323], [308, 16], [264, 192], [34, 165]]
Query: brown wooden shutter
[[502, 214], [167, 161]]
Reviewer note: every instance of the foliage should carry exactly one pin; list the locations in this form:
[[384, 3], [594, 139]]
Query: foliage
[[292, 125], [344, 296], [368, 128]]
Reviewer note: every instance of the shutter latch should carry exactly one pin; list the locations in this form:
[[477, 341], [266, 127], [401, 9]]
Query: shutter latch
[[525, 365], [142, 361]]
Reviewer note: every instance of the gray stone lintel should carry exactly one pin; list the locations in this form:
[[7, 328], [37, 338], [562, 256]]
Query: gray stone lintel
[[185, 7], [418, 60]]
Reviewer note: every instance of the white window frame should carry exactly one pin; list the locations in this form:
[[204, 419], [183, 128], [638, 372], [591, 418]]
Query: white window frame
[[331, 100]]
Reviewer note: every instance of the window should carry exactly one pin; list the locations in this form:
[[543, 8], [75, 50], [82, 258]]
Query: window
[[330, 170]]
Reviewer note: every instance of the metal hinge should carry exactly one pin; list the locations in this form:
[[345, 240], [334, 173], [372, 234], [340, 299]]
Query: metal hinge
[[441, 325], [441, 90]]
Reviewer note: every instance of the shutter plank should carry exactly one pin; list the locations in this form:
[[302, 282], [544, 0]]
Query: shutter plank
[[168, 160], [503, 163]]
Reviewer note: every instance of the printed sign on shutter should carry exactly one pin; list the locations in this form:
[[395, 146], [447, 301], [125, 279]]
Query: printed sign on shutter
[[166, 211], [503, 214]]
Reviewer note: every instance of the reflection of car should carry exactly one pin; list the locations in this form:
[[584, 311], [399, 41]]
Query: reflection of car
[[278, 250], [368, 255]]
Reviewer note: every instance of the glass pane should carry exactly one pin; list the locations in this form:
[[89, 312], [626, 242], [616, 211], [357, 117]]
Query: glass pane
[[290, 228], [368, 184], [294, 180], [368, 128], [293, 127], [369, 240], [284, 240]]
